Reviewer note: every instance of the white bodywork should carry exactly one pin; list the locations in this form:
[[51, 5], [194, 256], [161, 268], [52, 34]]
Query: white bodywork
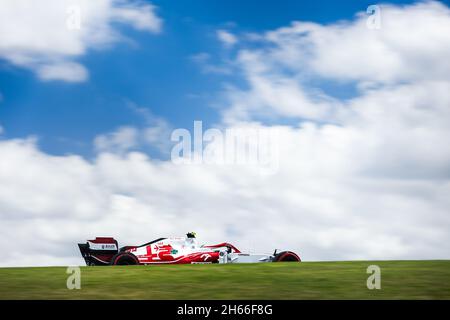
[[177, 249]]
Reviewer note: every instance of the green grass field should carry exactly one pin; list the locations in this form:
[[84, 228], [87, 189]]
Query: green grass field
[[306, 280]]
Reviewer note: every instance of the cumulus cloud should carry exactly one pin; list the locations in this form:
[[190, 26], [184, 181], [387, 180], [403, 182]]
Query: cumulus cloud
[[155, 132], [227, 38], [123, 139], [405, 48], [65, 71], [366, 177], [320, 202], [48, 36], [206, 64], [411, 45]]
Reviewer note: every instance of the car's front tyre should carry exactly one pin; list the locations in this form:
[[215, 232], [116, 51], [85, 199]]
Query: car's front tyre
[[286, 256]]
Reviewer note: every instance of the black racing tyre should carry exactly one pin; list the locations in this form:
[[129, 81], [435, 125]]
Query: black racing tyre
[[124, 259], [286, 256]]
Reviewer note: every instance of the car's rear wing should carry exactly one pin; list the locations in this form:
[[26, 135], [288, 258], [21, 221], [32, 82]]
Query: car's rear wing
[[99, 252]]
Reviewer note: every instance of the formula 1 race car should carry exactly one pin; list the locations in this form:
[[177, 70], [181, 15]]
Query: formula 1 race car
[[175, 250]]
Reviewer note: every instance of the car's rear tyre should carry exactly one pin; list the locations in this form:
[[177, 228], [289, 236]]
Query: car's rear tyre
[[286, 256], [124, 259]]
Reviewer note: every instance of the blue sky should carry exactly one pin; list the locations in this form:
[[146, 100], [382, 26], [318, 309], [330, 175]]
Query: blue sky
[[152, 71]]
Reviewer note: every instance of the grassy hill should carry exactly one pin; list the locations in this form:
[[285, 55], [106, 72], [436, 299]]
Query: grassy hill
[[306, 280]]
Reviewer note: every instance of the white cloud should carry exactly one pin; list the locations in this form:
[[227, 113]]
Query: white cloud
[[65, 71], [140, 16], [227, 38], [123, 139], [154, 133], [43, 36], [203, 59], [285, 71], [321, 203], [406, 47]]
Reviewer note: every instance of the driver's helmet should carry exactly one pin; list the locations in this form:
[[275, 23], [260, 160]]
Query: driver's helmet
[[191, 241], [190, 235]]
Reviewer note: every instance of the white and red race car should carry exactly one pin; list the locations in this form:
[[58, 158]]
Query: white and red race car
[[175, 250]]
